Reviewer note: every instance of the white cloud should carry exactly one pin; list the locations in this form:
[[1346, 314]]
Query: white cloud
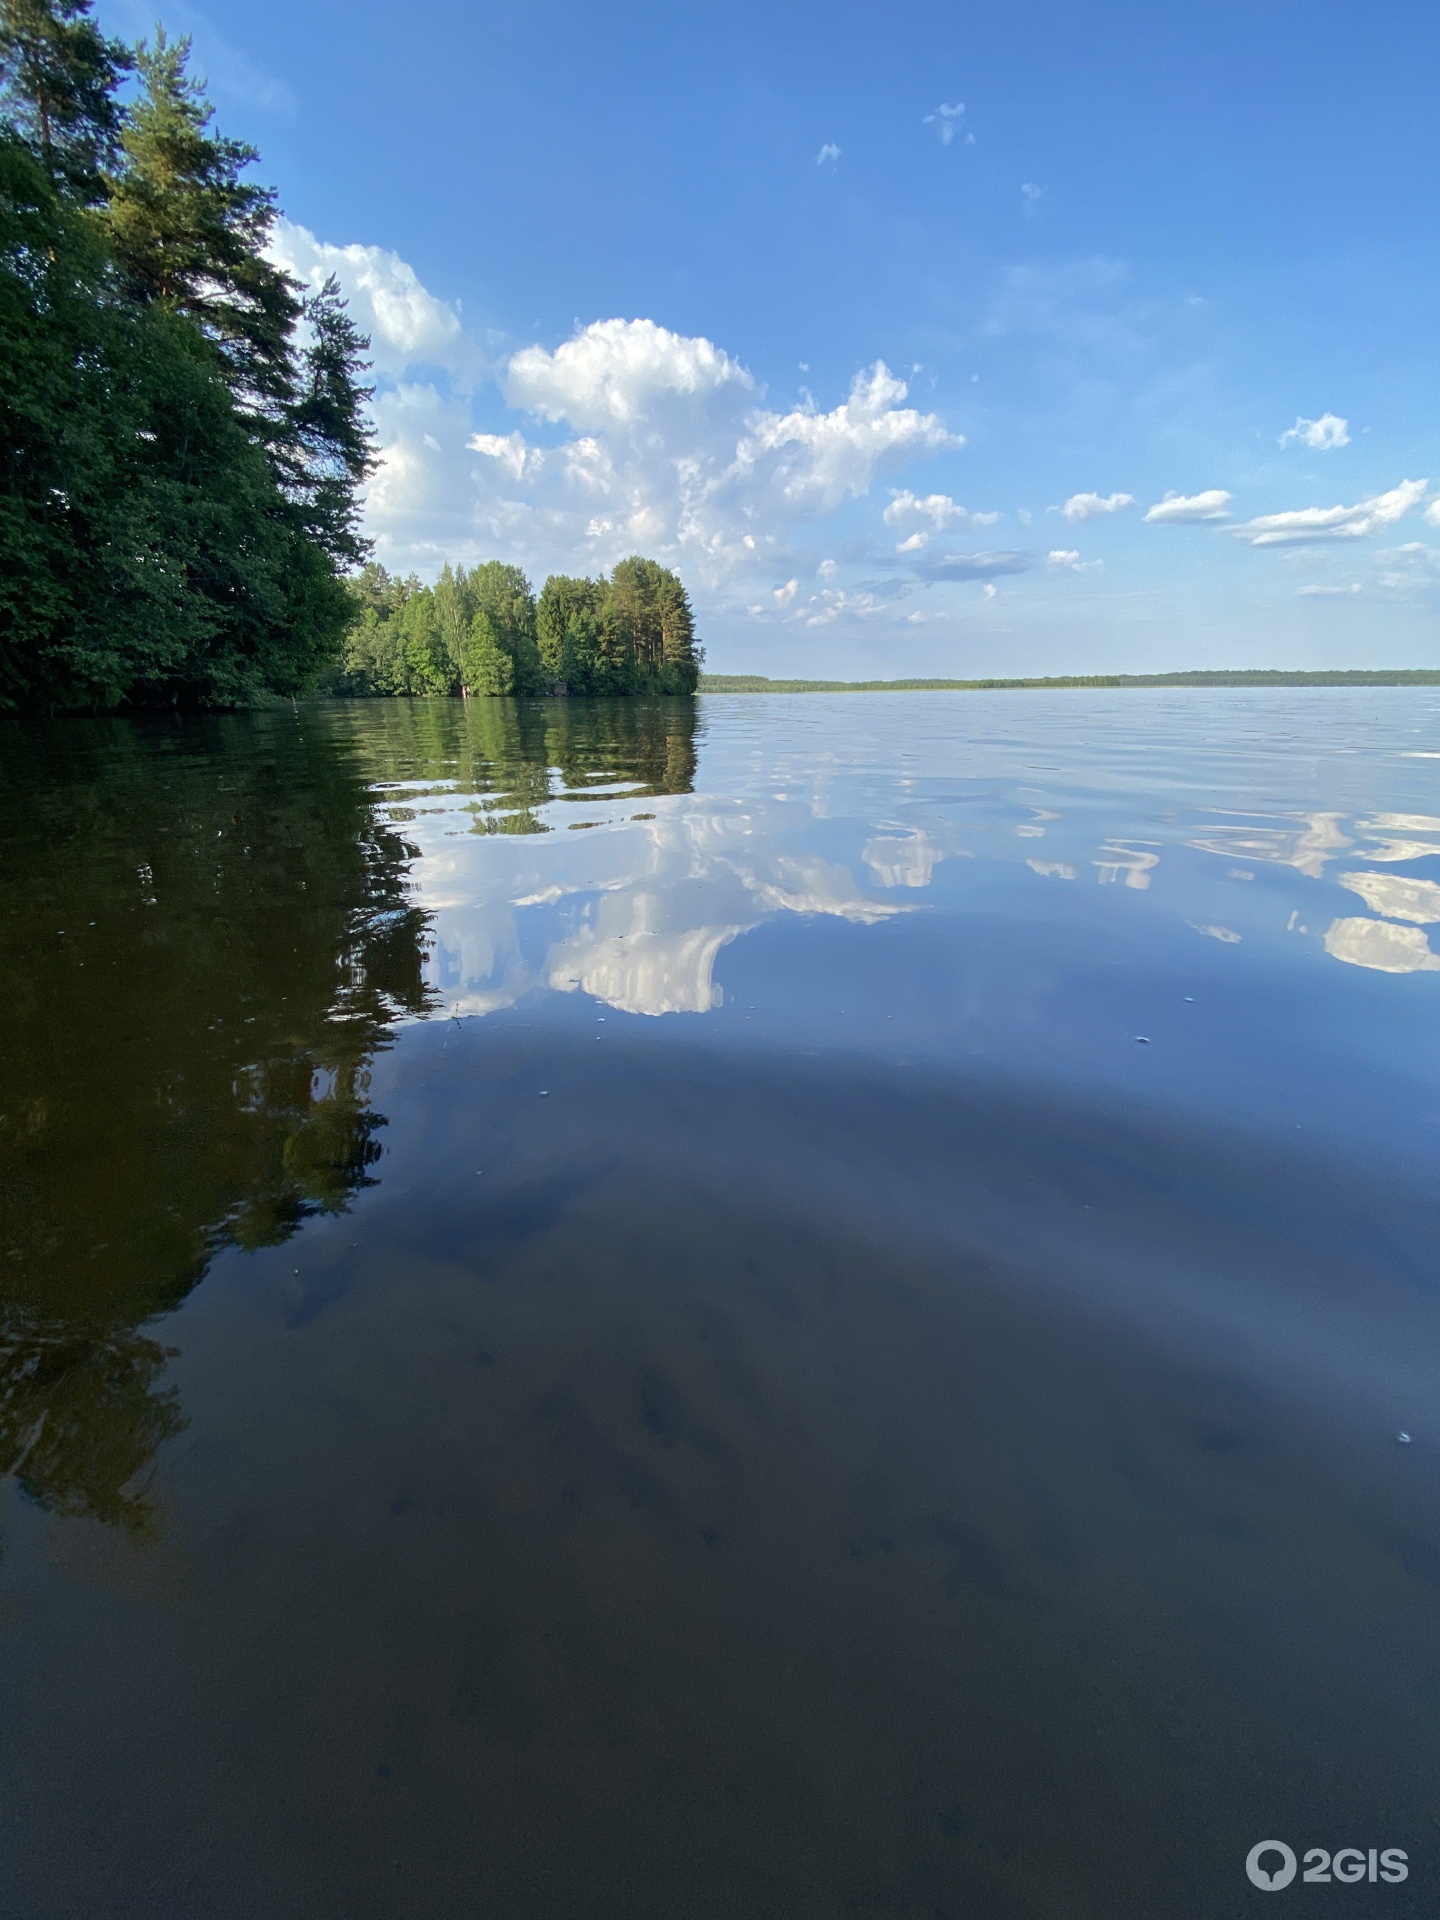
[[1322, 435], [946, 121], [937, 512], [617, 372], [1183, 509], [1088, 506], [991, 591], [1067, 557], [1332, 523], [408, 326], [784, 595], [1329, 593], [1031, 195], [509, 450], [637, 437], [1432, 513], [828, 152]]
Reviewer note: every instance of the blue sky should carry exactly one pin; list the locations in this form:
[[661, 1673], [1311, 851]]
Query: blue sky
[[892, 329]]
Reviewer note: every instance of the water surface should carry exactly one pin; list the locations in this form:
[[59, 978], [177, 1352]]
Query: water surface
[[788, 1306]]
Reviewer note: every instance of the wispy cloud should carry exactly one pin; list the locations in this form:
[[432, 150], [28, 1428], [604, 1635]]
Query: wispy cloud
[[827, 155], [1321, 436], [1186, 509], [1303, 524], [1031, 195], [228, 70], [972, 566], [946, 121], [1089, 506]]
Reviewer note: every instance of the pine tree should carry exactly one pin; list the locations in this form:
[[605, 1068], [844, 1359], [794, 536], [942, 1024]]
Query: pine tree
[[190, 233], [59, 74]]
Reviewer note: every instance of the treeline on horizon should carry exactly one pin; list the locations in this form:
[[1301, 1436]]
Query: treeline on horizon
[[184, 428], [1198, 677], [484, 632]]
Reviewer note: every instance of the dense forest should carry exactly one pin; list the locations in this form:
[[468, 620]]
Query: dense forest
[[183, 430], [484, 632]]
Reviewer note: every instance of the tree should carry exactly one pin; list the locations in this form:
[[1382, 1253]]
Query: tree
[[454, 610], [427, 664], [502, 594], [180, 475], [581, 637], [487, 665], [327, 452], [59, 74], [189, 232], [568, 619]]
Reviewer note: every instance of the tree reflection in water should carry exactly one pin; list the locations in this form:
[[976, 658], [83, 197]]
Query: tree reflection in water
[[208, 934]]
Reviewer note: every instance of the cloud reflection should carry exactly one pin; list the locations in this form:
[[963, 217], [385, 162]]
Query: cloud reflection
[[1381, 945]]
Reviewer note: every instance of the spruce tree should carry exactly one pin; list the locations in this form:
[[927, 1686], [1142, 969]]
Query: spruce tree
[[325, 450]]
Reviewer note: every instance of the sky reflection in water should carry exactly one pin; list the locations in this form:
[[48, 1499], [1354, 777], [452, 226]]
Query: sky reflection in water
[[604, 1315]]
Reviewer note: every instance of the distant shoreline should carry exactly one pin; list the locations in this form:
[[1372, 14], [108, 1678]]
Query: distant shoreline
[[1243, 677]]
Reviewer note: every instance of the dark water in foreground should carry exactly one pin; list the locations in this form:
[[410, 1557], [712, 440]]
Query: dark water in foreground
[[604, 1314]]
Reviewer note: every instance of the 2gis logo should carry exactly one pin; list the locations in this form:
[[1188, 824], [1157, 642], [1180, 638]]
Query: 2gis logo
[[1271, 1865]]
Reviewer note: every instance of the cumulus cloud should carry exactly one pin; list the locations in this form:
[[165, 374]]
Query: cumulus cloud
[[628, 435], [1183, 509], [1322, 435], [1305, 524], [1089, 506], [618, 372], [1432, 513], [408, 326], [1068, 558], [946, 121], [935, 513], [829, 152]]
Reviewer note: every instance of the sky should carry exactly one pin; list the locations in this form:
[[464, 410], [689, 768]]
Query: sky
[[935, 340]]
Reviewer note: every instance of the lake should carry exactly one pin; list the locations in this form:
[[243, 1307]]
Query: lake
[[788, 1306]]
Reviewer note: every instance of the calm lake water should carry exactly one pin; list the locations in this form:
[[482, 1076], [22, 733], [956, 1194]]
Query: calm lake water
[[790, 1307]]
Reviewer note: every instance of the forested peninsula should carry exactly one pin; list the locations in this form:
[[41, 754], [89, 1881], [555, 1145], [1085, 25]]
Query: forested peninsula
[[484, 632]]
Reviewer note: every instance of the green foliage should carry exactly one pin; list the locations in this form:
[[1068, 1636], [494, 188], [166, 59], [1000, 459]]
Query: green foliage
[[59, 74], [188, 232], [486, 665], [183, 438], [633, 633]]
